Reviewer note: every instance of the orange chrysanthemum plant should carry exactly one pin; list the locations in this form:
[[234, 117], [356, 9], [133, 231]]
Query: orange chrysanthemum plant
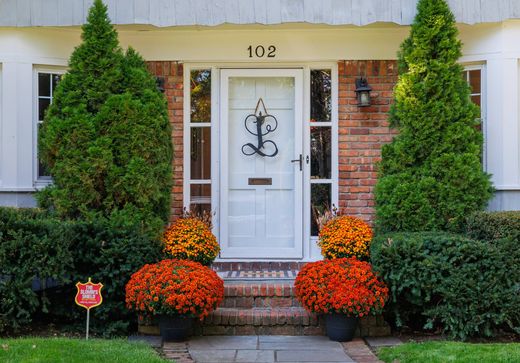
[[343, 285], [175, 287], [191, 239], [345, 236]]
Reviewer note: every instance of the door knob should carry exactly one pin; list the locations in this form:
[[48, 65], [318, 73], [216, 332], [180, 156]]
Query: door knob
[[299, 160]]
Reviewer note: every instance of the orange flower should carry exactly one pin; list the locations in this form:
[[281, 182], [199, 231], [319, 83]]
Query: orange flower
[[345, 236], [191, 239], [175, 287], [343, 285]]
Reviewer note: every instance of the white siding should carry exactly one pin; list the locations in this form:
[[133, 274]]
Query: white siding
[[164, 13]]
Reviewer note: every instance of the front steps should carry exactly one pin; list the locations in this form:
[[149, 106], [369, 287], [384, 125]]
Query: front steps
[[260, 300], [261, 308]]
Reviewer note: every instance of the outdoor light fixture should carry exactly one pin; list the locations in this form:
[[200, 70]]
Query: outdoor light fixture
[[363, 92], [159, 81]]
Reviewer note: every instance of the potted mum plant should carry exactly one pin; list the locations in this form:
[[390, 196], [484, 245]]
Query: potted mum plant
[[345, 236], [190, 238], [177, 291], [343, 289]]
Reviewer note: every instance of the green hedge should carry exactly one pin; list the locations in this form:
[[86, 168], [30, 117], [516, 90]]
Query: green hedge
[[490, 226], [463, 286], [35, 245]]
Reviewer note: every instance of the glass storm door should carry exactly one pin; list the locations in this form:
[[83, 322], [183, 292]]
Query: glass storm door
[[260, 163]]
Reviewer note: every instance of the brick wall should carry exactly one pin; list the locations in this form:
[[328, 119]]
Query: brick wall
[[362, 132], [173, 85]]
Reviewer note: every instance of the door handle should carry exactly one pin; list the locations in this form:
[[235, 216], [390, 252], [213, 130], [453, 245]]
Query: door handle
[[299, 160]]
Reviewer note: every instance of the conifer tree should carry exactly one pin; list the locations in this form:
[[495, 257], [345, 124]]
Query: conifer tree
[[431, 175], [106, 138]]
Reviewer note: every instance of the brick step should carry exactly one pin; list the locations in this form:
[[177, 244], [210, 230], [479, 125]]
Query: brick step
[[249, 295], [263, 321]]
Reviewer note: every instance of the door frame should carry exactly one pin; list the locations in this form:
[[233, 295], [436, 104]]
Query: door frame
[[228, 251], [311, 251]]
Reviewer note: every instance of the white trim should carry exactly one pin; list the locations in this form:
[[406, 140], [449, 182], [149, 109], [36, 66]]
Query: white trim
[[39, 182], [310, 249], [483, 107]]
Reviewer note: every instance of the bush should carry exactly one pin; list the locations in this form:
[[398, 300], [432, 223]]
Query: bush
[[462, 286], [175, 287], [106, 138], [430, 176], [340, 285], [491, 226], [345, 236], [30, 247], [35, 245], [191, 239]]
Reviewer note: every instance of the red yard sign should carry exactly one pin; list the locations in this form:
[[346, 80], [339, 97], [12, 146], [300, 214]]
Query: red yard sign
[[89, 294]]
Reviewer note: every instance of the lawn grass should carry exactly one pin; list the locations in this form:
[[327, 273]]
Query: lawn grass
[[58, 350], [452, 352]]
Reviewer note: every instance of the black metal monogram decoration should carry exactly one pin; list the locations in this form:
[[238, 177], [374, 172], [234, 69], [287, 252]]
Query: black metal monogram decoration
[[259, 125]]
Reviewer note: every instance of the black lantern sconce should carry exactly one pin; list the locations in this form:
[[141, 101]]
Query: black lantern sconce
[[363, 92], [159, 81]]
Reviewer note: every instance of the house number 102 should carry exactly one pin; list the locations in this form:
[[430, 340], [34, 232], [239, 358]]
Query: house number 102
[[260, 51]]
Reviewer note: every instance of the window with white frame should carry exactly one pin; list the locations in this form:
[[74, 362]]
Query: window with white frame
[[474, 76], [200, 141], [46, 82], [320, 144]]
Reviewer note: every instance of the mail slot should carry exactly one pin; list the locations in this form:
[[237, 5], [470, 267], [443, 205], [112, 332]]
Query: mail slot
[[260, 181]]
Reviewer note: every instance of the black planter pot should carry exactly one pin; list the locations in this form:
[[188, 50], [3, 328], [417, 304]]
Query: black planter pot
[[340, 327], [175, 328]]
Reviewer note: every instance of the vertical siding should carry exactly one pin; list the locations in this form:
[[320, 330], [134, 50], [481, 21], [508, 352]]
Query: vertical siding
[[164, 13]]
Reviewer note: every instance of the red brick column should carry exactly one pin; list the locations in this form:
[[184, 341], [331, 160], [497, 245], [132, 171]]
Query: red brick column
[[173, 86], [362, 132]]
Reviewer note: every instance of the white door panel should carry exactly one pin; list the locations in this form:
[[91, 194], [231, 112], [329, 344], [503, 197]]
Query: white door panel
[[261, 219]]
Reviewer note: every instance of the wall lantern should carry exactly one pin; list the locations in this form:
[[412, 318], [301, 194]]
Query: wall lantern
[[363, 92], [159, 81]]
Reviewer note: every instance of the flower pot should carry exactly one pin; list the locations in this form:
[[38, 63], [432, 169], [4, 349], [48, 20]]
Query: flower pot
[[175, 328], [340, 327]]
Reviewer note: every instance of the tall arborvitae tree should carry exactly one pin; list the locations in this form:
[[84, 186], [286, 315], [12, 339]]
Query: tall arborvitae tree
[[431, 174], [106, 137]]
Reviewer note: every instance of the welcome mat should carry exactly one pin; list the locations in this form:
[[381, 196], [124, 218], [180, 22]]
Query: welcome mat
[[258, 275]]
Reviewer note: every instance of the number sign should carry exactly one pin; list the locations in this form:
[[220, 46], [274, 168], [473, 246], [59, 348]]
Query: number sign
[[260, 51]]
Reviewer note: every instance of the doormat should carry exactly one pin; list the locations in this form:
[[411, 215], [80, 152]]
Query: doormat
[[258, 275]]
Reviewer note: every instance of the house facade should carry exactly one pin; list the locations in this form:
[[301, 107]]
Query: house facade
[[267, 127]]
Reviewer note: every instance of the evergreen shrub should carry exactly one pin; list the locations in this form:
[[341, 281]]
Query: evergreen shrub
[[492, 226], [430, 176], [106, 138], [464, 287], [37, 247]]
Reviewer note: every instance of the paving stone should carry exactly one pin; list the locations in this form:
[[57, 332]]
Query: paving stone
[[223, 342], [328, 346], [378, 342], [292, 339], [153, 341], [257, 356], [213, 356], [312, 356]]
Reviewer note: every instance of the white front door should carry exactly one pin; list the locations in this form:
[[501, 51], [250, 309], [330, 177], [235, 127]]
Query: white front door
[[260, 163]]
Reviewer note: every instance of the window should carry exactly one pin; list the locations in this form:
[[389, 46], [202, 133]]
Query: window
[[320, 143], [200, 141], [474, 76], [46, 83]]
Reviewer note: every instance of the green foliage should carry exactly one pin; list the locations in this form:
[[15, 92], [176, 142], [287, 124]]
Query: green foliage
[[106, 137], [63, 350], [431, 175], [491, 226], [29, 247], [34, 245], [463, 286]]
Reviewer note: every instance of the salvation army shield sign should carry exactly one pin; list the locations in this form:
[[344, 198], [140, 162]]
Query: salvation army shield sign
[[89, 294]]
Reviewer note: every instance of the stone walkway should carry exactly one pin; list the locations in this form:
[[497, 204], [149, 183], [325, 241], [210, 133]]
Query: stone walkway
[[268, 349]]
